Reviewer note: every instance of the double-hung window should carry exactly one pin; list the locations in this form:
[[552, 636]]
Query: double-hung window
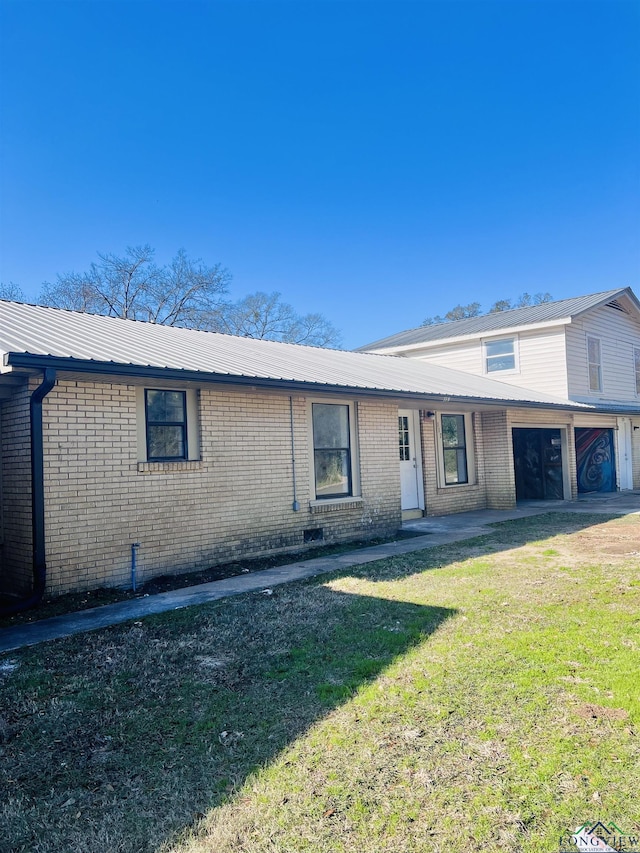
[[166, 425], [636, 361], [455, 450], [500, 355], [332, 450], [594, 355]]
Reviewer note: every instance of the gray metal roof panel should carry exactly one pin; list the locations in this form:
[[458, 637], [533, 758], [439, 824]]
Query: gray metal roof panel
[[547, 311], [106, 340]]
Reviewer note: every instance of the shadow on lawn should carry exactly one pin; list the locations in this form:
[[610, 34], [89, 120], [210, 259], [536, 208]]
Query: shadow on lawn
[[141, 730], [120, 739]]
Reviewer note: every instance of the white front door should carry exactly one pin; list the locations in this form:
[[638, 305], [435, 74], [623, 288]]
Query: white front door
[[625, 471], [412, 493]]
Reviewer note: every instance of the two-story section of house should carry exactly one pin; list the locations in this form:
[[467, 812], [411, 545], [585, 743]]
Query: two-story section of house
[[585, 349]]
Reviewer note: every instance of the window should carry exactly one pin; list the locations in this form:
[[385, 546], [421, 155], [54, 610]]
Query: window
[[636, 358], [454, 449], [166, 425], [500, 355], [403, 438], [332, 444], [595, 364]]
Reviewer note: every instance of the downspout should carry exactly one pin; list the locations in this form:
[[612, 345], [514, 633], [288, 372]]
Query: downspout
[[295, 506], [37, 497]]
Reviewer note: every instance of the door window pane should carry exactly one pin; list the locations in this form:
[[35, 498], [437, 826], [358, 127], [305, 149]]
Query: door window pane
[[403, 438]]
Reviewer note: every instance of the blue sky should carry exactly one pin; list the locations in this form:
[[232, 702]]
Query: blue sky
[[375, 162]]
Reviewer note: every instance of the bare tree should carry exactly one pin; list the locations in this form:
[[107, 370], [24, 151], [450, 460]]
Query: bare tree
[[264, 316], [459, 312], [13, 292], [184, 292], [525, 300], [501, 305]]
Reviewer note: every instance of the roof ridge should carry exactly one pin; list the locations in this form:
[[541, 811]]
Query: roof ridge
[[434, 328]]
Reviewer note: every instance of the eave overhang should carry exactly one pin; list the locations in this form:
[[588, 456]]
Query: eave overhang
[[36, 362]]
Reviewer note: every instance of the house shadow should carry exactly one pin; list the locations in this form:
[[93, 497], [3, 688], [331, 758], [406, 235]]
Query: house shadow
[[156, 723], [308, 650]]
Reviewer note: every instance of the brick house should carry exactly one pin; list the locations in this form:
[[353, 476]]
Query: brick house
[[202, 448]]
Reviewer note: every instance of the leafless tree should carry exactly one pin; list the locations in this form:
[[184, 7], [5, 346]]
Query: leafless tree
[[184, 292], [473, 309], [12, 292], [265, 316], [459, 312]]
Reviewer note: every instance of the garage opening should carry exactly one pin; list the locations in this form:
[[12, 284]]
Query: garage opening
[[595, 459], [537, 456]]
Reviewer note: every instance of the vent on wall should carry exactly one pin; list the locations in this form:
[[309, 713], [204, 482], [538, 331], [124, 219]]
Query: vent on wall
[[617, 306], [314, 534]]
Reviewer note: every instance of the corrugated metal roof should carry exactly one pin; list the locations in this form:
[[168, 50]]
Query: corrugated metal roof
[[548, 311], [108, 341]]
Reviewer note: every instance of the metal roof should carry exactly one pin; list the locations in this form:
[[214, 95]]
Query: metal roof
[[36, 336], [562, 309]]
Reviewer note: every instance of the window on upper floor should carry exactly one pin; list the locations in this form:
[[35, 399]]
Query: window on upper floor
[[594, 356], [636, 359], [333, 450], [500, 354]]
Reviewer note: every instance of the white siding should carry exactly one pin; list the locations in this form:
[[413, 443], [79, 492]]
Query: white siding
[[618, 334], [542, 360], [466, 356]]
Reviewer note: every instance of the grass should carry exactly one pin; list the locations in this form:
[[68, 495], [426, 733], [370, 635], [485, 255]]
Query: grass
[[479, 695], [75, 601]]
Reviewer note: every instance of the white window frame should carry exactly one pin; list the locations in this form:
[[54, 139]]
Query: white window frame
[[354, 453], [516, 356], [469, 447], [598, 364], [193, 422], [636, 367]]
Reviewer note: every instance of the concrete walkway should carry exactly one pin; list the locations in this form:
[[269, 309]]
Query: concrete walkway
[[436, 530]]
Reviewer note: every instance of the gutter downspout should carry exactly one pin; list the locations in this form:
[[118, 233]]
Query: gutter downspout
[[37, 497], [295, 506]]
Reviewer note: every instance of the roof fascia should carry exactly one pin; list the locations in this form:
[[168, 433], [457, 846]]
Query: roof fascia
[[41, 362], [509, 330], [624, 291]]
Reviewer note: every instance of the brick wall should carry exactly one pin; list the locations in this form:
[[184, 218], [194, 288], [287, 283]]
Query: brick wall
[[551, 420], [235, 502], [499, 472], [444, 500], [494, 486], [16, 570]]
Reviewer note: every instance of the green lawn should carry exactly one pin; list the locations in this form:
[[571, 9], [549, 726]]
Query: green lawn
[[482, 695]]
